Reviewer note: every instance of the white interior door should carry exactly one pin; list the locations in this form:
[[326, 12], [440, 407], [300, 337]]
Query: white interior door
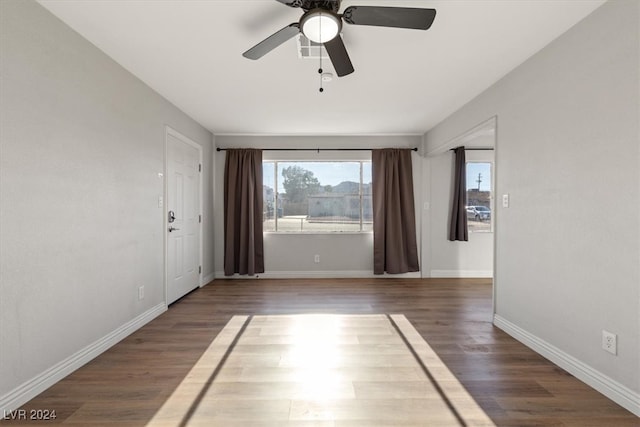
[[183, 216]]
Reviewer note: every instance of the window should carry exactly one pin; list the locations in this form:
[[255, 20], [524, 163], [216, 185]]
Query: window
[[479, 198], [326, 196]]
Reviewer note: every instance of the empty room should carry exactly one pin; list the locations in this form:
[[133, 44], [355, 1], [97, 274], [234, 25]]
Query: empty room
[[320, 212]]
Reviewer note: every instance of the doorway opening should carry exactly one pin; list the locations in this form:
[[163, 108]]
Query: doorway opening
[[474, 258]]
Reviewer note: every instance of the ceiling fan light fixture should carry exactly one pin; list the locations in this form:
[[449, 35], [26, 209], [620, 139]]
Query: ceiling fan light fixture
[[320, 25]]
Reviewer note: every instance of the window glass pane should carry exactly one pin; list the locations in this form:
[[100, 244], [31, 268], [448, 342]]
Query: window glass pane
[[268, 196], [479, 196], [318, 196]]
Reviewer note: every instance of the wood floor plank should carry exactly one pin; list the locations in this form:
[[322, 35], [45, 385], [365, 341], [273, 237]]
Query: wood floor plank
[[129, 384]]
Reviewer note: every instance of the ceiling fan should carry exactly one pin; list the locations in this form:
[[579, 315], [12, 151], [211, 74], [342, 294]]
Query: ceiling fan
[[321, 23]]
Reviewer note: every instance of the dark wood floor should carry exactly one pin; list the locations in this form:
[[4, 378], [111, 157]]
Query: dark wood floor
[[516, 387]]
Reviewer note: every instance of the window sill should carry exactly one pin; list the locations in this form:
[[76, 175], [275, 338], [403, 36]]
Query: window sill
[[311, 233]]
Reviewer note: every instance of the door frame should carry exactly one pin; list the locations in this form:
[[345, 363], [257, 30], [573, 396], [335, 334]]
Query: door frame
[[169, 131]]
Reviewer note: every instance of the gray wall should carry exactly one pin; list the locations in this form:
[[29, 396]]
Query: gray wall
[[292, 255], [568, 154], [82, 145]]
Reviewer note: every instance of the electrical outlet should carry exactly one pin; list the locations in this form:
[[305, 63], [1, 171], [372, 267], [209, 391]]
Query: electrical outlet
[[141, 293], [316, 259], [609, 342], [505, 200]]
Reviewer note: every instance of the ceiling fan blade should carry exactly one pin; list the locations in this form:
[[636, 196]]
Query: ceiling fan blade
[[398, 17], [313, 4], [339, 56], [272, 42], [292, 3]]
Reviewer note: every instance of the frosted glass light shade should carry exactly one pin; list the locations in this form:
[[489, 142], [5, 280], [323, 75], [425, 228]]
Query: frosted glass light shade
[[320, 26]]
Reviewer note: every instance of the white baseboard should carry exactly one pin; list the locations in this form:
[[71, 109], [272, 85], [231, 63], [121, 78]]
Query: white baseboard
[[615, 391], [461, 274], [30, 389], [208, 278], [341, 274]]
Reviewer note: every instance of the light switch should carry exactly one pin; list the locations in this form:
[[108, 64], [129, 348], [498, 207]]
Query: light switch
[[505, 200]]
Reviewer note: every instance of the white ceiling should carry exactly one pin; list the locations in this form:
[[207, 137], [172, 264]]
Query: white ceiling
[[406, 81]]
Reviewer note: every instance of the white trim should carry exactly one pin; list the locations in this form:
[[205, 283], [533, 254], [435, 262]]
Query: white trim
[[495, 216], [30, 389], [461, 274], [489, 124], [342, 274], [615, 391], [207, 279], [185, 139]]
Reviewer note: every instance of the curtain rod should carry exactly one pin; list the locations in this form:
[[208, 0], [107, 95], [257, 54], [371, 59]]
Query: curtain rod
[[313, 149], [474, 149]]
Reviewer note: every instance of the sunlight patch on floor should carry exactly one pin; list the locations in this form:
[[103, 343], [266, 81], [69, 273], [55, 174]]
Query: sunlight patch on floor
[[327, 370]]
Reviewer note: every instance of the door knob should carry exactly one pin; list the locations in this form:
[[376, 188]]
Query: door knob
[[171, 228]]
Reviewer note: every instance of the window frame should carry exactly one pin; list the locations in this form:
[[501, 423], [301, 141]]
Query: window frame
[[491, 194], [361, 194]]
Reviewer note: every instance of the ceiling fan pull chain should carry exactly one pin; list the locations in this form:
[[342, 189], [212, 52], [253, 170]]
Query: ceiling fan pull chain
[[320, 71]]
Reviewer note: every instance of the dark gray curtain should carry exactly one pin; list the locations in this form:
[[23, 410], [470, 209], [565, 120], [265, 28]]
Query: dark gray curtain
[[458, 219], [394, 224], [243, 245]]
